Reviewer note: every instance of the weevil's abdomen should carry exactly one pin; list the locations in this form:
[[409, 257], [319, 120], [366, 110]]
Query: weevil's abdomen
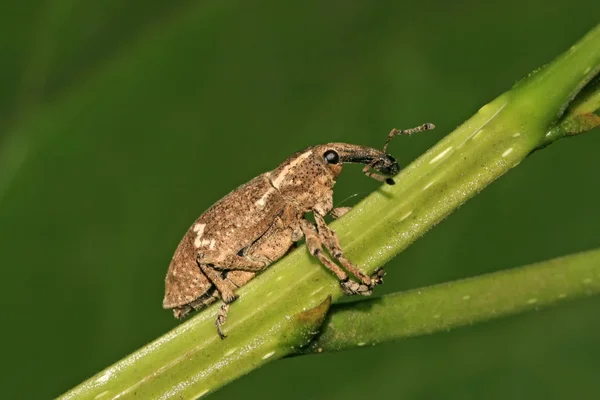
[[233, 223]]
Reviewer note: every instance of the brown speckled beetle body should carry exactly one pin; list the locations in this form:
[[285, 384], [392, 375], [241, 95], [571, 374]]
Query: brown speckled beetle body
[[258, 223]]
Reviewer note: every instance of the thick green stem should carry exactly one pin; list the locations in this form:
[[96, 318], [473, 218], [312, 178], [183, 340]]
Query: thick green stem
[[191, 360], [464, 302]]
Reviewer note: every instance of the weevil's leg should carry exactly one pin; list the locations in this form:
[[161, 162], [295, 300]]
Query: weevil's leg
[[332, 244], [314, 244], [232, 261], [226, 293], [221, 319], [315, 247], [339, 212], [367, 171], [239, 278], [215, 277]]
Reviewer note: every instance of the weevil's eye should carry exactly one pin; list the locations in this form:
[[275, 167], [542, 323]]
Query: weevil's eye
[[331, 157]]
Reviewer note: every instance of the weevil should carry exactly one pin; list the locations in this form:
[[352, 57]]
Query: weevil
[[260, 221]]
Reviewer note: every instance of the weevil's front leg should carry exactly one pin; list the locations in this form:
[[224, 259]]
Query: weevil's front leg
[[315, 247], [339, 212], [332, 244]]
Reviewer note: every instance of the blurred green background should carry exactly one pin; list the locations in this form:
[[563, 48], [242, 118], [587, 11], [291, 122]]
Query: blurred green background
[[122, 121]]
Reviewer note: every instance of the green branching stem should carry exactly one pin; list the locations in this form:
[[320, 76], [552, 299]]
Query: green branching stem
[[459, 303], [263, 324]]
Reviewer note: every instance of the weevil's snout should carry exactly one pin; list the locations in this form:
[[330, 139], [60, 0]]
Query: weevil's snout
[[378, 164]]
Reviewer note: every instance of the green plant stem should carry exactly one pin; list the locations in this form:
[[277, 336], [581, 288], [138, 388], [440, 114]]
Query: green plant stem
[[459, 303], [191, 360]]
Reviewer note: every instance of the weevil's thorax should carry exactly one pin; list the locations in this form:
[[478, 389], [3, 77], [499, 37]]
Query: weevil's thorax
[[306, 179]]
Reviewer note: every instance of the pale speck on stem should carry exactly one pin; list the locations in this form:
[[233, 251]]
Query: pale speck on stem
[[230, 352], [476, 135], [532, 301], [507, 152], [428, 185], [268, 355], [466, 297], [406, 216], [441, 155]]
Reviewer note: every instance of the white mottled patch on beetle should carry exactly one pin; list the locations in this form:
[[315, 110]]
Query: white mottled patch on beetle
[[441, 155], [268, 355], [212, 244], [199, 229], [507, 152], [283, 174], [263, 200]]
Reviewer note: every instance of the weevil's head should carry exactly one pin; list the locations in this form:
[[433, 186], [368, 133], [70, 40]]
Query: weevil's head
[[321, 165], [306, 178]]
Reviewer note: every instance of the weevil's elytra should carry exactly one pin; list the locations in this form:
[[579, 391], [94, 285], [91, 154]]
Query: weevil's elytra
[[260, 221]]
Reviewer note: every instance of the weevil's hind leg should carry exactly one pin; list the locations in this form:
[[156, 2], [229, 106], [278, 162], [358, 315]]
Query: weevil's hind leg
[[339, 212], [221, 319], [223, 287], [315, 245], [332, 244], [226, 293]]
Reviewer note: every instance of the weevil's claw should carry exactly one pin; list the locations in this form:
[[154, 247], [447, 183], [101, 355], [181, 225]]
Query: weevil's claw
[[352, 288], [221, 319], [377, 277]]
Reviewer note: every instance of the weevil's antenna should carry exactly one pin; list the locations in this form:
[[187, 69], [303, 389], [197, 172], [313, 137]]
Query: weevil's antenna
[[397, 132]]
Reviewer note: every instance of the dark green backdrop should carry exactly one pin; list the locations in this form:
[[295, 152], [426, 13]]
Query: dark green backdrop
[[121, 121]]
